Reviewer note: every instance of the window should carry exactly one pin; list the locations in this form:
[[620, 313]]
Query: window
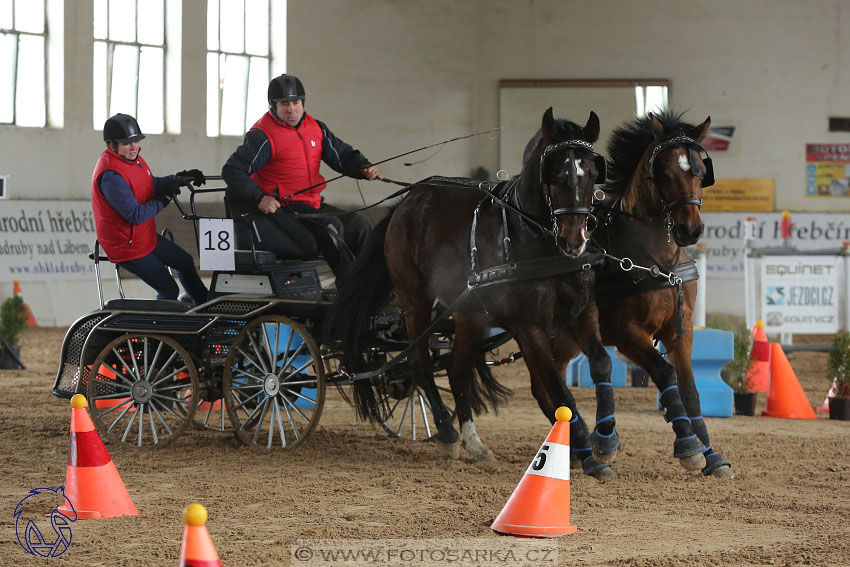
[[137, 62], [650, 98], [242, 35], [24, 54]]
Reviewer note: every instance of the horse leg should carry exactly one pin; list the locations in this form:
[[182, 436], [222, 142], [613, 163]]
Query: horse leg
[[417, 315], [550, 391], [605, 440], [680, 358], [465, 350], [687, 447]]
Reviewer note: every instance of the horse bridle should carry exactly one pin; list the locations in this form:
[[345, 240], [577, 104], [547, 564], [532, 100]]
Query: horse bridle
[[692, 146], [706, 179], [572, 181]]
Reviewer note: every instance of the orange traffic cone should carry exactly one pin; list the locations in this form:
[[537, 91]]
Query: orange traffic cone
[[785, 396], [197, 549], [540, 504], [17, 290], [760, 355], [833, 392], [92, 483]]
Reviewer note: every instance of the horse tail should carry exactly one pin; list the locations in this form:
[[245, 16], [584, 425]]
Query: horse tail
[[365, 289], [485, 388]]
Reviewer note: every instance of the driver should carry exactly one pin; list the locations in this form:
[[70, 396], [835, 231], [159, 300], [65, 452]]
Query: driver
[[281, 155], [125, 198]]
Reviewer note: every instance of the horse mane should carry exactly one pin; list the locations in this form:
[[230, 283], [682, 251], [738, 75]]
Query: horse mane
[[627, 147]]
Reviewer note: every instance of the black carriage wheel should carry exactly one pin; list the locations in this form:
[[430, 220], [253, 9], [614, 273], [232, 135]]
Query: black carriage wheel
[[405, 409], [142, 390], [274, 383], [410, 415]]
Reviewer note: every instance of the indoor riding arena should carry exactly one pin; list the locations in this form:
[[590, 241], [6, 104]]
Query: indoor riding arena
[[489, 282]]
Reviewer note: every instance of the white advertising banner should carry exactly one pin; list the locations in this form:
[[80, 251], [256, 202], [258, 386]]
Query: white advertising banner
[[724, 236], [46, 240], [800, 294]]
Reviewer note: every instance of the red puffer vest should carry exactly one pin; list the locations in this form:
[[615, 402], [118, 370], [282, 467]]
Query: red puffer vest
[[121, 240], [296, 158]]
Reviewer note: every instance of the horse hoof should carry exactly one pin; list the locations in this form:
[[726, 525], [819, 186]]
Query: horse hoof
[[605, 447], [606, 474], [597, 470], [693, 462], [718, 467], [724, 472], [483, 456], [448, 450]]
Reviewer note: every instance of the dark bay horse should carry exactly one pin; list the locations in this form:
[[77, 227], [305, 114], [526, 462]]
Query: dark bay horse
[[518, 252], [657, 172]]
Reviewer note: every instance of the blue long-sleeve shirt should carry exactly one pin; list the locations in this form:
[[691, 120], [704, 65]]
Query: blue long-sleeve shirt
[[120, 197]]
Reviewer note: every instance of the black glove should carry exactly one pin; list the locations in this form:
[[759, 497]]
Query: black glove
[[197, 176], [168, 190]]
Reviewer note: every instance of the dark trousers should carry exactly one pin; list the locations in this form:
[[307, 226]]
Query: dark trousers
[[338, 238], [153, 271]]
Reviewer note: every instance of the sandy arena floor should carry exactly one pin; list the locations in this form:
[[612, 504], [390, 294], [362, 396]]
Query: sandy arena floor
[[788, 506]]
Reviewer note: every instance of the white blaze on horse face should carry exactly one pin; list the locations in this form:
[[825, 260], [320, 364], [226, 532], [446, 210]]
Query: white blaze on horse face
[[684, 164], [579, 170]]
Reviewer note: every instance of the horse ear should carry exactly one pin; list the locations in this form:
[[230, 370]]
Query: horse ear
[[549, 127], [701, 131], [591, 130], [657, 128]]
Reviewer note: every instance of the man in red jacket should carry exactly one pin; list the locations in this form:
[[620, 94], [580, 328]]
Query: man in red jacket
[[126, 197], [279, 158]]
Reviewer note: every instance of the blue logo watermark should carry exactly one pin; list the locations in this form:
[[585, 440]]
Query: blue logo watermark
[[30, 536]]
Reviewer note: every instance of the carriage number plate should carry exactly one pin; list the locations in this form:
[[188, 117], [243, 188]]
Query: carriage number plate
[[216, 244], [552, 460]]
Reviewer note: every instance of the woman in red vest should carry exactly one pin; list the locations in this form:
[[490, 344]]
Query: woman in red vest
[[126, 197], [279, 157]]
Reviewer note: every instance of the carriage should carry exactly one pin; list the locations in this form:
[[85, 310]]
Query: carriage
[[254, 358], [258, 350]]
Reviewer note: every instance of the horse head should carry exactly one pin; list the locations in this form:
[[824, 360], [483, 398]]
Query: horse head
[[558, 179], [679, 168]]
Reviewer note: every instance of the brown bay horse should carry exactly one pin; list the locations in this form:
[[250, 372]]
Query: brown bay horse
[[657, 172], [518, 253]]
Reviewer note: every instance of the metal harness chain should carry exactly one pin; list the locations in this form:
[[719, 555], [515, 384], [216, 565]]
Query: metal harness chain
[[627, 265]]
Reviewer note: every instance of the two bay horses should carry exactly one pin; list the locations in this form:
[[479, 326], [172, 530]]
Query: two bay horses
[[517, 252], [657, 172]]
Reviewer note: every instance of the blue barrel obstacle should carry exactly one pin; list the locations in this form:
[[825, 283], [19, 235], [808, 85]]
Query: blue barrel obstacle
[[712, 349]]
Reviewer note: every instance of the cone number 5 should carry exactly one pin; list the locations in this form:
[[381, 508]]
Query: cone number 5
[[552, 461]]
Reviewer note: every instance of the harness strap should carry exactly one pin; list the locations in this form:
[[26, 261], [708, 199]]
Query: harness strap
[[538, 268]]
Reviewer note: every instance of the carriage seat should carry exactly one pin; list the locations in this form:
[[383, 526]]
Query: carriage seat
[[159, 305], [247, 261]]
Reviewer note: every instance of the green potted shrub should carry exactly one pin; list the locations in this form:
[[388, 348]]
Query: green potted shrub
[[838, 370], [13, 322], [737, 371]]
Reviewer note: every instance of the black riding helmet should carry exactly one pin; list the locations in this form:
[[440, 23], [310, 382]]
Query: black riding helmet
[[122, 128], [285, 88]]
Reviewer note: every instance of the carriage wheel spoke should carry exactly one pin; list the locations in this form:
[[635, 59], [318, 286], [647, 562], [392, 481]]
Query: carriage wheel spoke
[[257, 353]]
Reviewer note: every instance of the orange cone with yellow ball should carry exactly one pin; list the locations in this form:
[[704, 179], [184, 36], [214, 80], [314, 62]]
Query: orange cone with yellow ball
[[92, 483], [759, 373], [197, 549], [540, 504]]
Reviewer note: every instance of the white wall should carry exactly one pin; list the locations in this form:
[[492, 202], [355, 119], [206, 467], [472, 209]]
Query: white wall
[[390, 75]]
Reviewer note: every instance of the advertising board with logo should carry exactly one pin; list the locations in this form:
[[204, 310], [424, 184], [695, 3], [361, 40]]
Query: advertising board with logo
[[800, 294]]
